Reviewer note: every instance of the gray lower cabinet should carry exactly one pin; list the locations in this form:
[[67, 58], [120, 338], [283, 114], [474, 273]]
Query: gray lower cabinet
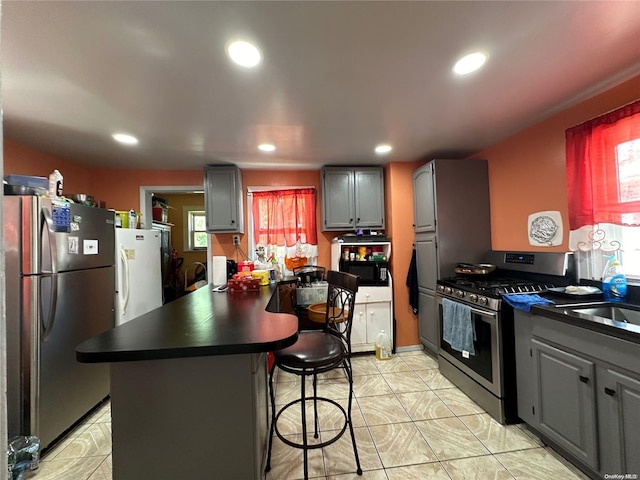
[[260, 410], [580, 390], [619, 409], [223, 199], [427, 264], [566, 406], [352, 198], [188, 417], [428, 321]]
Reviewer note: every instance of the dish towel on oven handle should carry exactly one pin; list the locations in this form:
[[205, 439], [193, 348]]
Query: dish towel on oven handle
[[524, 302], [457, 326]]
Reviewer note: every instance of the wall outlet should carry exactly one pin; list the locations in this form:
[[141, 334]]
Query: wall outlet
[[236, 239]]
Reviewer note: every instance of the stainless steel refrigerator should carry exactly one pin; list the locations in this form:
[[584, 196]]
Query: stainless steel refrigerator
[[59, 287]]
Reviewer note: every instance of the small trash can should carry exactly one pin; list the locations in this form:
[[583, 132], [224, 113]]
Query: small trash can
[[23, 456]]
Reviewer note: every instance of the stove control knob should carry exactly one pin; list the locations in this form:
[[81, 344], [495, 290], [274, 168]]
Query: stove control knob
[[483, 300], [460, 293], [448, 290], [473, 297]]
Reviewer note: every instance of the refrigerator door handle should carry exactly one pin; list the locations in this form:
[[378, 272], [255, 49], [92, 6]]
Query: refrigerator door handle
[[47, 327], [31, 334], [51, 239], [125, 278]]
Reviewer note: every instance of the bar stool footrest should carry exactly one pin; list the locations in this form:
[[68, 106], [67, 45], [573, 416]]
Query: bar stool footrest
[[315, 445]]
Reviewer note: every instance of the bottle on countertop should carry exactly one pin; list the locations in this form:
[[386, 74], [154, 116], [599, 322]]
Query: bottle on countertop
[[55, 184], [614, 281], [383, 346], [133, 219]]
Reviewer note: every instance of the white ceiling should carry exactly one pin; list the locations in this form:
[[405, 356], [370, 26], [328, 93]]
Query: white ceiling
[[337, 77]]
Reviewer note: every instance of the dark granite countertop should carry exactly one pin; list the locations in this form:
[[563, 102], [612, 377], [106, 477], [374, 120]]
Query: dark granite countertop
[[563, 313], [202, 323]]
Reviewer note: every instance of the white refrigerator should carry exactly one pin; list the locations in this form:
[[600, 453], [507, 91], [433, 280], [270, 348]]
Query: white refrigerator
[[138, 273]]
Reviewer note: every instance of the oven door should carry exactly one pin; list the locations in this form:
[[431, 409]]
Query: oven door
[[485, 366]]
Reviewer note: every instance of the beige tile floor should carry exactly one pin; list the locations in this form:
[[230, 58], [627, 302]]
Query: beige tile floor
[[410, 423]]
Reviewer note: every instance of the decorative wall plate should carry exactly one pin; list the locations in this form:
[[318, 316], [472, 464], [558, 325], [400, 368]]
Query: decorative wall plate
[[545, 229]]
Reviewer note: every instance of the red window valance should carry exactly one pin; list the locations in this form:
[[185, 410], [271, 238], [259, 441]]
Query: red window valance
[[284, 217], [603, 186]]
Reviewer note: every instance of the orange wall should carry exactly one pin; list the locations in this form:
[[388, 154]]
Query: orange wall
[[22, 160], [399, 218], [527, 171], [121, 188]]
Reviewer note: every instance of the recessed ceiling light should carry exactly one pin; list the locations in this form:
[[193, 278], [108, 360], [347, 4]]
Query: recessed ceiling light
[[244, 53], [267, 147], [125, 138], [470, 63], [383, 149]]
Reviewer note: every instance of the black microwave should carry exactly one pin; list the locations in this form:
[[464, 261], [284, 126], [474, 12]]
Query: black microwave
[[371, 273]]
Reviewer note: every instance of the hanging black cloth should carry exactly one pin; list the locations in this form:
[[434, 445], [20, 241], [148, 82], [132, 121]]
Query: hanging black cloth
[[412, 283]]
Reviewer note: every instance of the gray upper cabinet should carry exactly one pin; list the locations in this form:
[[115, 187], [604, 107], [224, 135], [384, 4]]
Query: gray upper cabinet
[[452, 224], [223, 199], [352, 198], [369, 195], [451, 198], [424, 210]]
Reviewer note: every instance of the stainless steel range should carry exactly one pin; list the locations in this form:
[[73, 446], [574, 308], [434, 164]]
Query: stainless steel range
[[488, 374]]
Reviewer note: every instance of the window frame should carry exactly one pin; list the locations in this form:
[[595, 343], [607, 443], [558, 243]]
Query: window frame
[[602, 222], [251, 245], [188, 213]]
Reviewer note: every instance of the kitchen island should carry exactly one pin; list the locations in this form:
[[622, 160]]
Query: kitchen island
[[188, 385]]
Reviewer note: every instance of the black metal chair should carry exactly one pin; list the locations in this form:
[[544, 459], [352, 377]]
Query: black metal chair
[[309, 274], [315, 352]]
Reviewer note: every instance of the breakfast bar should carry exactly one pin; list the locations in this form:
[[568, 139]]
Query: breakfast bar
[[188, 385]]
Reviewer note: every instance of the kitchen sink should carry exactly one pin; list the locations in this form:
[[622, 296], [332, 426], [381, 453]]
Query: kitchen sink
[[625, 314]]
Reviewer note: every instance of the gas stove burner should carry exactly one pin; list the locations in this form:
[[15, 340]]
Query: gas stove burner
[[497, 286], [524, 288]]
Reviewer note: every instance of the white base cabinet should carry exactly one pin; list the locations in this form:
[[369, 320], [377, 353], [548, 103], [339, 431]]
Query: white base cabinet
[[373, 313], [374, 305]]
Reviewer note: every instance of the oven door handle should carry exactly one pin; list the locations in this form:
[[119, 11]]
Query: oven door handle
[[483, 313]]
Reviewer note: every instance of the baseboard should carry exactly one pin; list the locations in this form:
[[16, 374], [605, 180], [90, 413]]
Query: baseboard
[[409, 348]]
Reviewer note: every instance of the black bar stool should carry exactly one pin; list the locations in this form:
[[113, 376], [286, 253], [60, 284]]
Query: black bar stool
[[319, 351]]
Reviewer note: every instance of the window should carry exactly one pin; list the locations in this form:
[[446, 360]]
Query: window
[[283, 221], [197, 229], [603, 186]]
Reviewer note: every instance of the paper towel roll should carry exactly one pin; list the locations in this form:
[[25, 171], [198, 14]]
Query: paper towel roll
[[219, 269]]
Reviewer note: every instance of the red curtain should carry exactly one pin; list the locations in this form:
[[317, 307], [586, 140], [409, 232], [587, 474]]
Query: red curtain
[[597, 193], [282, 217]]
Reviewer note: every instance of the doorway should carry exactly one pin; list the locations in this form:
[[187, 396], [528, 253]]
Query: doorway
[[195, 263]]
